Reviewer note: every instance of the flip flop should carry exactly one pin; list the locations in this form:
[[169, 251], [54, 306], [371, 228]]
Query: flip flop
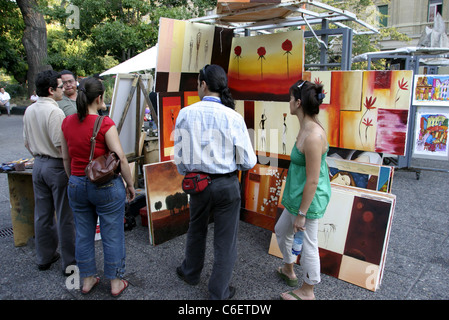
[[125, 285], [294, 295], [290, 282], [93, 287]]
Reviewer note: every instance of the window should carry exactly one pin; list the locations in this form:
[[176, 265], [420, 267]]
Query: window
[[435, 6], [383, 19]]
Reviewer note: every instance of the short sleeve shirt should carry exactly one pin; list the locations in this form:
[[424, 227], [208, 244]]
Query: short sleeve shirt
[[77, 135]]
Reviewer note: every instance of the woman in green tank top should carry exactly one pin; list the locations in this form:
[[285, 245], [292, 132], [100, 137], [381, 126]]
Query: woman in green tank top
[[307, 192]]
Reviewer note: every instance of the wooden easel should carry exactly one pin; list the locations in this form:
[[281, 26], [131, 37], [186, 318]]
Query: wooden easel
[[138, 87]]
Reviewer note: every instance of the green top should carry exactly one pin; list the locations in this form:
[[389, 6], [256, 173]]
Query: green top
[[296, 180], [67, 105]]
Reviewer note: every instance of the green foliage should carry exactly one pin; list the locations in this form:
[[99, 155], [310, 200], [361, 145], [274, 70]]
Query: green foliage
[[12, 53]]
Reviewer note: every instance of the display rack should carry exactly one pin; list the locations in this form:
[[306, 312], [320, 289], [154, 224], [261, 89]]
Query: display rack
[[263, 17], [409, 58]]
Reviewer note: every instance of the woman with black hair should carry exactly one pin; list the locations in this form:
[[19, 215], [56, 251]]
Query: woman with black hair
[[88, 200], [212, 138], [307, 191]]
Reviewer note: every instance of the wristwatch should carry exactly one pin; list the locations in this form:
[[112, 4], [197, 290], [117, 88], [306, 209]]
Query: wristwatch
[[302, 214]]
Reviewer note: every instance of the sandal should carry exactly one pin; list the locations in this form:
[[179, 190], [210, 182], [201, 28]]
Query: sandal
[[125, 285], [97, 281], [290, 282], [294, 295]]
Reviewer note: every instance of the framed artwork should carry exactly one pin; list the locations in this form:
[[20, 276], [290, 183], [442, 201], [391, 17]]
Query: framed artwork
[[431, 90], [353, 236], [362, 175], [262, 195], [184, 48], [264, 67], [167, 204], [169, 105], [430, 137]]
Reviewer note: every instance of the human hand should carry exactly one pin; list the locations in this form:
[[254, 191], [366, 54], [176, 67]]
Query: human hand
[[130, 193], [299, 224]]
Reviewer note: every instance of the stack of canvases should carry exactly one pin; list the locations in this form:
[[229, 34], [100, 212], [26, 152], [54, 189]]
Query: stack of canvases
[[365, 114]]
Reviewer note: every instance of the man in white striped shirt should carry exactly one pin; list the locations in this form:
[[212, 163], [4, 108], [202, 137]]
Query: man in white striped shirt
[[211, 137]]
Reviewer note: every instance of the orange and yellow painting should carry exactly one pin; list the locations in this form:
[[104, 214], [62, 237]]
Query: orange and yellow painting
[[264, 67]]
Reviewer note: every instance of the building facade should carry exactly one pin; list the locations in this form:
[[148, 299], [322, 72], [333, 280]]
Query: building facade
[[410, 17]]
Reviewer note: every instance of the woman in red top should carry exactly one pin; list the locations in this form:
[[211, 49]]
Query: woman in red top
[[89, 201]]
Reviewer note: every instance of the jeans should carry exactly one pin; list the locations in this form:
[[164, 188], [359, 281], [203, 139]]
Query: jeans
[[106, 202]]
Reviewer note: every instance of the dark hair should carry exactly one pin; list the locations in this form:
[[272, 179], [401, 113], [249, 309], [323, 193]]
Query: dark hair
[[217, 81], [89, 89], [311, 96], [45, 80], [67, 72]]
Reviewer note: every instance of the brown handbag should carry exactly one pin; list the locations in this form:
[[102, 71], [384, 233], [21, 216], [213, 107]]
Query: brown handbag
[[104, 168]]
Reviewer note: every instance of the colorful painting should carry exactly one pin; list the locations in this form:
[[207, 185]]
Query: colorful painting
[[262, 192], [186, 47], [361, 175], [275, 128], [353, 235], [431, 90], [169, 106], [197, 52], [167, 204], [264, 67], [430, 140]]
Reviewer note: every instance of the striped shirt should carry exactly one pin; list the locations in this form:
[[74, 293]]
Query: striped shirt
[[212, 138]]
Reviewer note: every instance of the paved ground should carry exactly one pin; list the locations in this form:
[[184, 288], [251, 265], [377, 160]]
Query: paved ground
[[417, 264]]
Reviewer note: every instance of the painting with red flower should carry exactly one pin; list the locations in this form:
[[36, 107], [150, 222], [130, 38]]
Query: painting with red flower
[[264, 67]]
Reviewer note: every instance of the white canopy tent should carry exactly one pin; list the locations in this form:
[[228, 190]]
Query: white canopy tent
[[143, 61]]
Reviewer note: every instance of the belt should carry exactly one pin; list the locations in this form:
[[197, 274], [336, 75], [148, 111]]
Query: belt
[[221, 175], [46, 157]]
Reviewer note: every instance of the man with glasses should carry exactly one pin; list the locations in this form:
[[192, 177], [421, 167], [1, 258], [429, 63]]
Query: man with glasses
[[53, 218], [68, 101]]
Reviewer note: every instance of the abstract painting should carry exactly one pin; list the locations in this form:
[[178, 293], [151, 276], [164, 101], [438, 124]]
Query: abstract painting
[[167, 204], [353, 235], [262, 192], [168, 108], [184, 48], [169, 105], [430, 139], [367, 110], [381, 90], [264, 67]]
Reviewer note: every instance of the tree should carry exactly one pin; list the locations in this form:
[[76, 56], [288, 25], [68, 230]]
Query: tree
[[34, 40], [12, 53]]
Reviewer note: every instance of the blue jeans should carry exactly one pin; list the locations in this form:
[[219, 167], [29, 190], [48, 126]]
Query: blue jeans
[[107, 202]]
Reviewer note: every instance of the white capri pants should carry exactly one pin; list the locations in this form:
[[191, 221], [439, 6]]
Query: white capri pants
[[310, 259]]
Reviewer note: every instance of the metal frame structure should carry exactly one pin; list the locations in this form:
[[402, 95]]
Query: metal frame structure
[[412, 57], [264, 17]]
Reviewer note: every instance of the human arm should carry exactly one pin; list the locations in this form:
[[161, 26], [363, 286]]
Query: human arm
[[65, 156], [244, 153], [113, 143], [312, 149]]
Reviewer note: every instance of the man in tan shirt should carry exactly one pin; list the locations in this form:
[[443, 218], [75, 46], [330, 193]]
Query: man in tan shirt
[[42, 136]]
